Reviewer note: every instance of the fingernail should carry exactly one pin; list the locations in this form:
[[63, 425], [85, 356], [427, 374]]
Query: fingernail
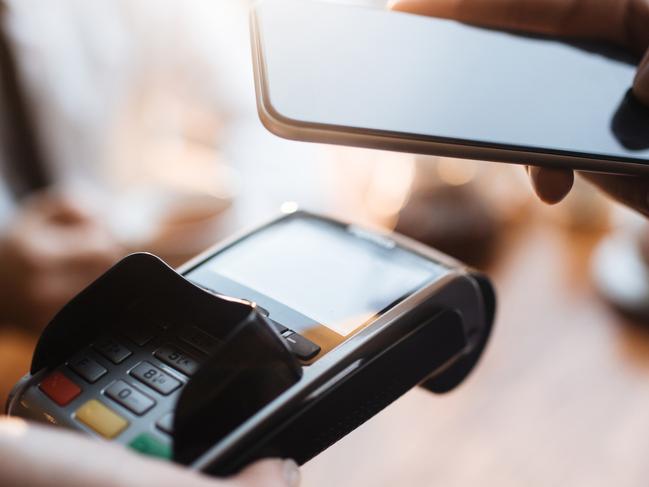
[[641, 82], [551, 185], [291, 473]]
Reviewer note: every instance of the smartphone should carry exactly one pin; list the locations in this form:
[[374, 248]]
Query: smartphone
[[368, 77], [349, 320]]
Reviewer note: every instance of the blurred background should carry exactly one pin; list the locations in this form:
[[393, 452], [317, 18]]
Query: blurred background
[[145, 114]]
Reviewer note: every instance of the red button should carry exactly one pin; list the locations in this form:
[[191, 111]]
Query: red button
[[59, 388]]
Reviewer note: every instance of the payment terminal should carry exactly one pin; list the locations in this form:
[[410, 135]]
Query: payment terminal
[[276, 343]]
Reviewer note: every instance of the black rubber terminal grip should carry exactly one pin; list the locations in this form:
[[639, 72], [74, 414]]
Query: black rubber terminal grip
[[359, 396], [251, 368], [456, 373], [251, 365], [139, 288]]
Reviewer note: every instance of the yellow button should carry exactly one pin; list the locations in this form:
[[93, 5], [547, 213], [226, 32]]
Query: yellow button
[[101, 419]]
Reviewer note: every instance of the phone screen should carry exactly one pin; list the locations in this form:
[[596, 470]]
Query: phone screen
[[395, 73]]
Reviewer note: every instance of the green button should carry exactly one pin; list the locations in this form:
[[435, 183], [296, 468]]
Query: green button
[[150, 445]]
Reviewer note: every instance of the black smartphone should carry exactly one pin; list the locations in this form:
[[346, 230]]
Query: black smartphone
[[332, 73]]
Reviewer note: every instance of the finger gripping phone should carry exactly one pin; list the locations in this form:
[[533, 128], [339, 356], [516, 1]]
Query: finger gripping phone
[[276, 343]]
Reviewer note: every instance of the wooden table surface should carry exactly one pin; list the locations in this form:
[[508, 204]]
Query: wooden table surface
[[560, 398]]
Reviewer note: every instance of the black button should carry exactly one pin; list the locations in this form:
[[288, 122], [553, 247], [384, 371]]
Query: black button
[[166, 423], [177, 359], [301, 347], [140, 334], [129, 397], [280, 328], [155, 378], [87, 368], [198, 339], [112, 350], [263, 311]]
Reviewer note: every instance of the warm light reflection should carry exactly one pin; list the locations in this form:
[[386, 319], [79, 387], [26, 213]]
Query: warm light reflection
[[389, 184], [15, 427], [289, 207], [197, 171], [454, 172]]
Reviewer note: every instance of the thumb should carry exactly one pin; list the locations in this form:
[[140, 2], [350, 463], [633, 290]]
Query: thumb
[[641, 82], [448, 9], [40, 456], [603, 19], [551, 185]]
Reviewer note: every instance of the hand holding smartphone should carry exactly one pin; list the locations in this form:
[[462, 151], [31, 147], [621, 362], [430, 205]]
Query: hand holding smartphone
[[626, 26], [366, 77]]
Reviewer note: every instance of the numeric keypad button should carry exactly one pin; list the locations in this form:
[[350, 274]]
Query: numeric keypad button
[[156, 379], [176, 358], [88, 369], [129, 397], [112, 350], [166, 423], [140, 334], [199, 339]]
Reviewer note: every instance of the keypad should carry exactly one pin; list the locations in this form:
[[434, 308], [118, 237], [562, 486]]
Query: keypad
[[112, 350], [147, 390], [156, 379], [128, 396], [90, 370], [176, 358]]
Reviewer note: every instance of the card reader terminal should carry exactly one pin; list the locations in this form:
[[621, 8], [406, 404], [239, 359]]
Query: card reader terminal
[[276, 343]]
